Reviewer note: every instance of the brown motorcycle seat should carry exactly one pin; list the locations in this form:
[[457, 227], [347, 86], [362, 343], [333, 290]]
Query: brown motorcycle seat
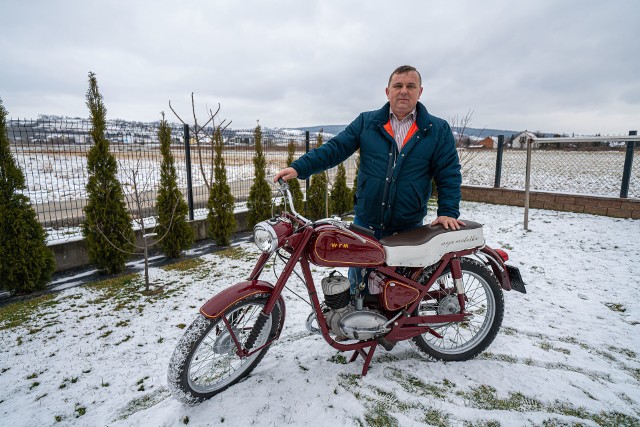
[[421, 235]]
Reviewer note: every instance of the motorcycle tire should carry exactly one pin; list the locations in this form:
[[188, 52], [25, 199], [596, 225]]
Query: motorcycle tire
[[205, 362], [463, 340]]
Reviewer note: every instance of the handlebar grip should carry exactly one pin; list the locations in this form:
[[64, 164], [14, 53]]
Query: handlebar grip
[[361, 230], [281, 181]]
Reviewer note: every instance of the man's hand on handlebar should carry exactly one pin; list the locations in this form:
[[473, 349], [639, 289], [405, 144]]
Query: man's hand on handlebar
[[286, 174]]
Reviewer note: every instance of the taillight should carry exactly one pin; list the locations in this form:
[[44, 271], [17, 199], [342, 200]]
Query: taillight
[[503, 254]]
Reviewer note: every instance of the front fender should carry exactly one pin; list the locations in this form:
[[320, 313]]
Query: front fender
[[225, 299]]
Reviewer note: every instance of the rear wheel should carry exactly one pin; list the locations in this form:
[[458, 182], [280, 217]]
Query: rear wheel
[[205, 362], [484, 300]]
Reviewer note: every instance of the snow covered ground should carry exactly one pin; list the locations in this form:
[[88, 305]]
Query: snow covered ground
[[568, 352]]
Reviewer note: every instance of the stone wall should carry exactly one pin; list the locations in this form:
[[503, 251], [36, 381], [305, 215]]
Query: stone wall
[[607, 206]]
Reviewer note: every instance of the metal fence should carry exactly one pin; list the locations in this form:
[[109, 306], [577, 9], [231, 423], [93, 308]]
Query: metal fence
[[53, 157], [53, 153], [569, 166]]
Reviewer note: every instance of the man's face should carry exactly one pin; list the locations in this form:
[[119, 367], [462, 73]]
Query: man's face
[[403, 93]]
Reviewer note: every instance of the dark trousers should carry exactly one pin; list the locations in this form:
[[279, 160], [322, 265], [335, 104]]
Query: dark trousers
[[357, 274]]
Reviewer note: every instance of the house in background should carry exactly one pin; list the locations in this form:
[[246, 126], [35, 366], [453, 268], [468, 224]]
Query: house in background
[[489, 142], [520, 141]]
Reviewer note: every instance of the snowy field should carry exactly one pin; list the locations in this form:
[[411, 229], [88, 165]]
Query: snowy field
[[568, 352]]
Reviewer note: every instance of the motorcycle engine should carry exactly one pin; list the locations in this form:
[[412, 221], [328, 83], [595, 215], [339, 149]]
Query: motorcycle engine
[[342, 316]]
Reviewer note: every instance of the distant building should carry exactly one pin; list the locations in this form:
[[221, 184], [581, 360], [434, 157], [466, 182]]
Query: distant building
[[489, 142], [520, 141]]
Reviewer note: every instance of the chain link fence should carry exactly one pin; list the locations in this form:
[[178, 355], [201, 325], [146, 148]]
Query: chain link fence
[[53, 157], [574, 170]]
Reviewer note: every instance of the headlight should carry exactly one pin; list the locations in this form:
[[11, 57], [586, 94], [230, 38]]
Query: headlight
[[265, 237]]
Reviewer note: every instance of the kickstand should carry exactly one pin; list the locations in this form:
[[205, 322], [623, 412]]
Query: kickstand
[[365, 355]]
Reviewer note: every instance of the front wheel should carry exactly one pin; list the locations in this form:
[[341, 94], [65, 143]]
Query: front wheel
[[205, 362], [483, 299]]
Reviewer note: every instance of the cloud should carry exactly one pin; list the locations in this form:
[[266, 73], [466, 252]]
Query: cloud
[[556, 66]]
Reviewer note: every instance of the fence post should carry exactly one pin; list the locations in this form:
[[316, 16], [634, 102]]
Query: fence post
[[527, 184], [187, 160], [496, 183], [306, 185], [628, 162]]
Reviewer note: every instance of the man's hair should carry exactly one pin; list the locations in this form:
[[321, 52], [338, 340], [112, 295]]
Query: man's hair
[[404, 69]]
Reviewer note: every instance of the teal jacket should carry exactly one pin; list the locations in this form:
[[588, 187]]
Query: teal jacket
[[394, 187]]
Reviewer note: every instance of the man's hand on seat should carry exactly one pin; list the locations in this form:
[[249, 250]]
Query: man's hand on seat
[[448, 222]]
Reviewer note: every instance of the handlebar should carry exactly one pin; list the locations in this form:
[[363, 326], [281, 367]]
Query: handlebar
[[361, 229], [350, 227]]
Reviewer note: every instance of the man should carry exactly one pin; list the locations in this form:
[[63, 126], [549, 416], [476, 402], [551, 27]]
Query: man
[[402, 147]]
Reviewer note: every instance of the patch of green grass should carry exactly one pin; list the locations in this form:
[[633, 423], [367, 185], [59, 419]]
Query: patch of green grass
[[487, 355], [488, 423], [634, 372], [122, 323], [143, 402], [546, 346], [80, 411], [58, 418], [379, 417], [436, 418], [236, 253], [125, 339], [19, 312], [105, 334], [181, 325], [339, 359], [486, 397], [417, 386], [34, 385], [348, 381], [624, 351], [32, 376], [184, 265], [619, 308]]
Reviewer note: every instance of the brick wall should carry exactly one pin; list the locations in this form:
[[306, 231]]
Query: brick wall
[[607, 206]]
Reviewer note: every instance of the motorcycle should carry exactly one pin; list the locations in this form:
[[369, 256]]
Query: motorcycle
[[440, 288]]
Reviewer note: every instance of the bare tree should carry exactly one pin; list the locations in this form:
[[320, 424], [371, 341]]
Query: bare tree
[[459, 125], [203, 136], [142, 207]]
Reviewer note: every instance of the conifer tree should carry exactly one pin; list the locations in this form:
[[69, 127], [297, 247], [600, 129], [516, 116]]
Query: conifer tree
[[107, 228], [317, 199], [294, 184], [259, 202], [26, 263], [222, 223], [341, 195], [175, 232]]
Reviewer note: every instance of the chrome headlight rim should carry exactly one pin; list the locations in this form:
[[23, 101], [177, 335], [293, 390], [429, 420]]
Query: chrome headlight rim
[[272, 242]]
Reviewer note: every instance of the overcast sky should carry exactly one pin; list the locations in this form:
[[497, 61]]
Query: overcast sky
[[549, 65]]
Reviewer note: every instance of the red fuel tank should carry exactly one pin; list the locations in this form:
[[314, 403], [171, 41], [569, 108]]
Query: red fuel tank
[[331, 247]]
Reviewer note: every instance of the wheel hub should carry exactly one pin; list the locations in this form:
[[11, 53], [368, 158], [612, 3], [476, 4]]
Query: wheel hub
[[449, 305], [224, 343]]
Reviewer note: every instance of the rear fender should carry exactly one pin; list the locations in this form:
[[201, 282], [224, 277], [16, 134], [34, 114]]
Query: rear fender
[[498, 267], [225, 299]]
